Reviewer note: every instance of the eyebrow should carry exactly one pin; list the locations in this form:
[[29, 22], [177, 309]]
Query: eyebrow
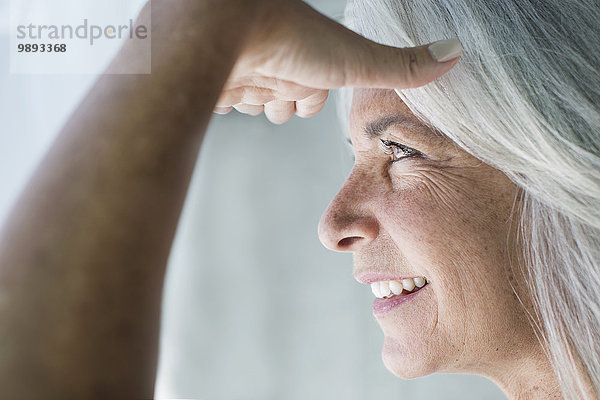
[[376, 128]]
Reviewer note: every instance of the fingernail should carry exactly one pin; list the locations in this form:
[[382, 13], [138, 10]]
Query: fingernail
[[445, 50]]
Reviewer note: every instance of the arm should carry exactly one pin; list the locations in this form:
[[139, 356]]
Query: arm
[[83, 254]]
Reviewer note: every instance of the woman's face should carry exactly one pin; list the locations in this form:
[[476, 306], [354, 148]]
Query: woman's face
[[430, 210]]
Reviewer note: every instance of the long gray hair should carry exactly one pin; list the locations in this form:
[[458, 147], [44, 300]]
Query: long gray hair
[[525, 99]]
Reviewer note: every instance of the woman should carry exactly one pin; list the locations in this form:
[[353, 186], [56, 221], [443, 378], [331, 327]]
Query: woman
[[524, 100], [441, 210]]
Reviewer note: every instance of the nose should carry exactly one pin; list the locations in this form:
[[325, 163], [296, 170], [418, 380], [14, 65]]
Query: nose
[[348, 224]]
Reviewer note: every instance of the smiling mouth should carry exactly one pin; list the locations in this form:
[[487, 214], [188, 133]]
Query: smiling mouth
[[398, 288]]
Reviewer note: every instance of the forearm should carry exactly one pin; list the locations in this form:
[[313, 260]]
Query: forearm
[[83, 254]]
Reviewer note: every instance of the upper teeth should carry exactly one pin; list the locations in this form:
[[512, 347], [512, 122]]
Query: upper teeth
[[383, 289]]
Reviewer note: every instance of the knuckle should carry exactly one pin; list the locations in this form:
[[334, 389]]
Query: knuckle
[[222, 110], [312, 105], [245, 94], [255, 95], [226, 99], [249, 109], [411, 66], [278, 111]]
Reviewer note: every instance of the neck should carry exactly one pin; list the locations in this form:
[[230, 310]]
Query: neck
[[531, 379], [532, 382]]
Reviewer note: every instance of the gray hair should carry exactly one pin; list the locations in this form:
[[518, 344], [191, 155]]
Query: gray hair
[[524, 99]]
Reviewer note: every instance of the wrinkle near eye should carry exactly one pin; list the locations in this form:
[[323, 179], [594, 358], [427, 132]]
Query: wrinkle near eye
[[449, 189]]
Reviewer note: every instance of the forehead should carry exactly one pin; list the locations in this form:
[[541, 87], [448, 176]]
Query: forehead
[[374, 110], [375, 101]]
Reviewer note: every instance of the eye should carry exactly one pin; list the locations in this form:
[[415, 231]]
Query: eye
[[398, 151]]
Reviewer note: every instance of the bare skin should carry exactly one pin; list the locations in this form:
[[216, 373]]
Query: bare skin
[[83, 254], [444, 215]]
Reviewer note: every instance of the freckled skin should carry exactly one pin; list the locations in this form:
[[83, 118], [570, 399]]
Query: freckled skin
[[445, 216]]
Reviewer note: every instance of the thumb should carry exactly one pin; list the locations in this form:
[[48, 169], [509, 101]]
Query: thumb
[[381, 66]]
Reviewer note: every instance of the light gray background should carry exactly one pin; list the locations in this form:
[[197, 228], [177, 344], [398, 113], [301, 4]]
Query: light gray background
[[254, 306]]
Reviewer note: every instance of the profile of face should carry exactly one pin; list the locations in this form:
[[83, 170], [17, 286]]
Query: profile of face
[[417, 206]]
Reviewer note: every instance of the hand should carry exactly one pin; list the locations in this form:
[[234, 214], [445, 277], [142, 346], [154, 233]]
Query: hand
[[295, 55]]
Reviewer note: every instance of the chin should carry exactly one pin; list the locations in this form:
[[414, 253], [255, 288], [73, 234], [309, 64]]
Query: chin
[[407, 363]]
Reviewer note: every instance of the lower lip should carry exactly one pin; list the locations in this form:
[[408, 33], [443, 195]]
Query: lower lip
[[384, 306]]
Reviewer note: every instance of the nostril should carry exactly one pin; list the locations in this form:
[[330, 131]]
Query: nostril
[[345, 243]]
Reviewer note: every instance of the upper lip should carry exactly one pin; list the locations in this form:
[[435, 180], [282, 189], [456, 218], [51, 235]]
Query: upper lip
[[368, 277]]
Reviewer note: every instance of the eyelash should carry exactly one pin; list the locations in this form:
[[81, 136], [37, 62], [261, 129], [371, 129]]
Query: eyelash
[[393, 149]]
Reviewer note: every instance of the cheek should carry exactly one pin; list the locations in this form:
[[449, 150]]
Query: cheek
[[454, 230], [450, 217], [455, 233]]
